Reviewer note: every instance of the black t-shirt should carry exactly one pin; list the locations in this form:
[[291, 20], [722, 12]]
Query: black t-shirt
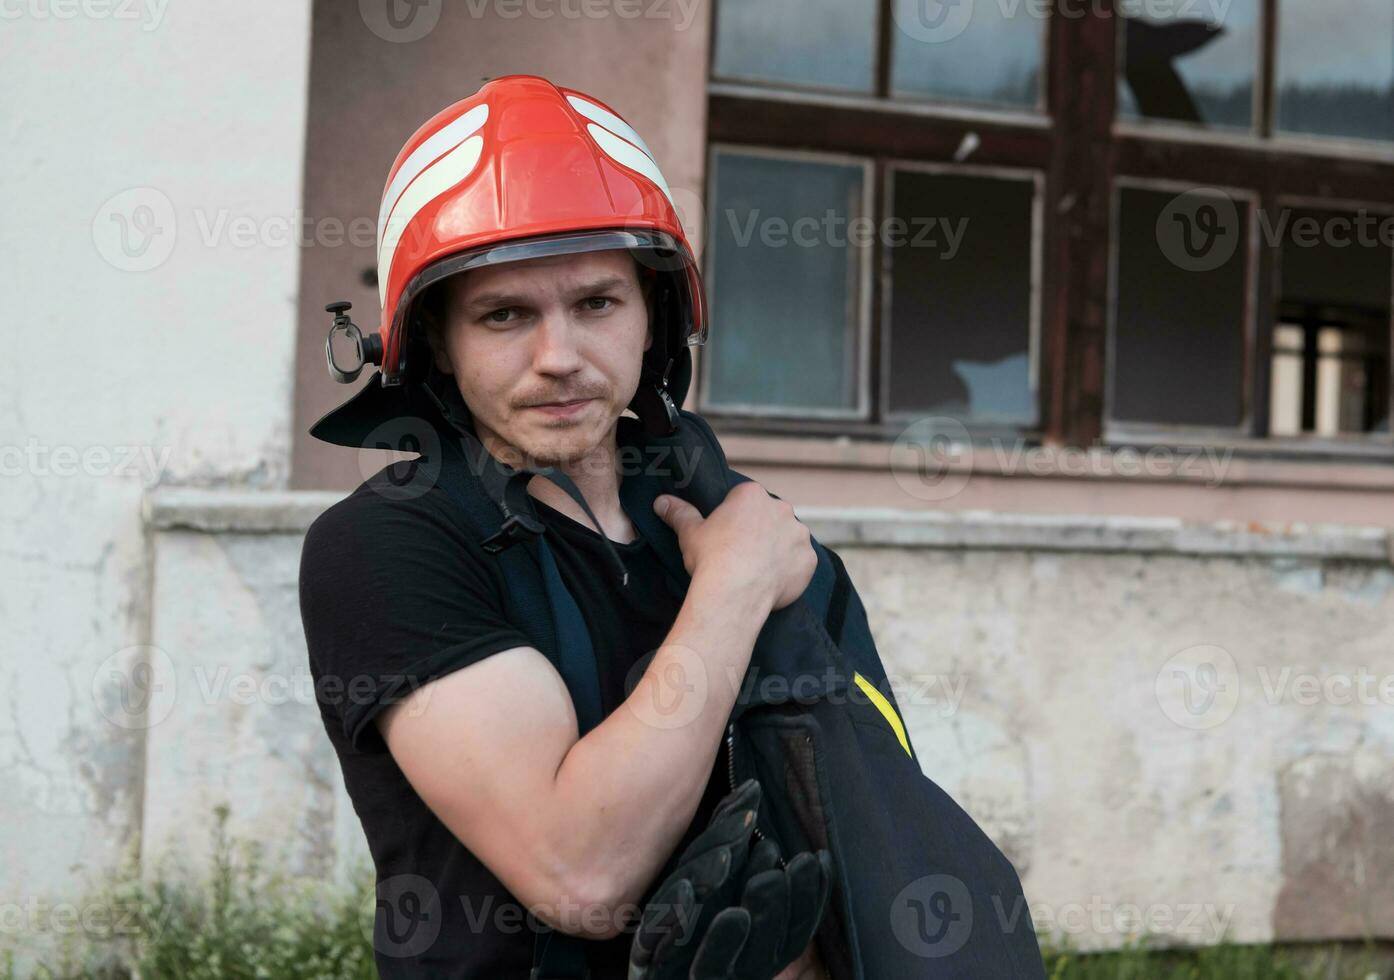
[[395, 592]]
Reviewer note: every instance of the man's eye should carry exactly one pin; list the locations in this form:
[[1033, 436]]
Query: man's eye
[[597, 303], [500, 316]]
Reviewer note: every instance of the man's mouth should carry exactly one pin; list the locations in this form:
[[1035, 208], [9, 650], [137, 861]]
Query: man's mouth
[[563, 409]]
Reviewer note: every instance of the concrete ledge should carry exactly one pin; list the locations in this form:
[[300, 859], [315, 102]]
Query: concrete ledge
[[235, 511], [837, 526], [290, 512]]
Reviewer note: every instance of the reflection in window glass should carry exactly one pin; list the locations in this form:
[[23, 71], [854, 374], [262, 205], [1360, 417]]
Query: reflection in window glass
[[960, 304], [785, 283], [1196, 66], [1179, 318], [986, 53], [1331, 344], [825, 43], [1335, 73]]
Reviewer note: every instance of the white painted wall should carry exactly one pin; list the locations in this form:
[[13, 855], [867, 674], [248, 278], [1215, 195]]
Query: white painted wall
[[181, 123]]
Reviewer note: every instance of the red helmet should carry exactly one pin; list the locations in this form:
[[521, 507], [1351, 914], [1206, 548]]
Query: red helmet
[[518, 170]]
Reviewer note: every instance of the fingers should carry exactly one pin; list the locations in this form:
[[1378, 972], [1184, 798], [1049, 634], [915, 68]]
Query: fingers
[[810, 878], [766, 898], [746, 796], [676, 512], [725, 939], [667, 916]]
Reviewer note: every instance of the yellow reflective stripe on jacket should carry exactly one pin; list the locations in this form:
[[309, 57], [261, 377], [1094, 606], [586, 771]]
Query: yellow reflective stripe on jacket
[[884, 706]]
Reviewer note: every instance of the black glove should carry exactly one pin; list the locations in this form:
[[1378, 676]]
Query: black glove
[[704, 880], [779, 912], [713, 885]]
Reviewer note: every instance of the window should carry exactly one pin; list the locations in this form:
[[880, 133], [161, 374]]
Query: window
[[1114, 206]]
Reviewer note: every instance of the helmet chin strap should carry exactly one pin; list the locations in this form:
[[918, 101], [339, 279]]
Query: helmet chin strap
[[506, 486]]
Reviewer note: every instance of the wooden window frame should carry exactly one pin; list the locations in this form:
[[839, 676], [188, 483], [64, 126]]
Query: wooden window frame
[[1084, 151]]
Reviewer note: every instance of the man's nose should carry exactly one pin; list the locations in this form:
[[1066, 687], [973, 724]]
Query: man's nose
[[556, 350]]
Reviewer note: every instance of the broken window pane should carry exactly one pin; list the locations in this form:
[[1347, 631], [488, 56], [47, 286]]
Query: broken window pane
[[961, 294], [824, 43], [1196, 64], [1179, 316], [986, 53], [1331, 345], [1335, 72], [786, 283]]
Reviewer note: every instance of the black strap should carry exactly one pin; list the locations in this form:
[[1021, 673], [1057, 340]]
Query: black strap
[[541, 604], [837, 604]]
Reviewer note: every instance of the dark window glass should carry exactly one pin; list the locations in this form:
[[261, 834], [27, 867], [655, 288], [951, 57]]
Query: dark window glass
[[961, 296], [786, 283], [824, 43], [1179, 320], [987, 53], [1331, 345]]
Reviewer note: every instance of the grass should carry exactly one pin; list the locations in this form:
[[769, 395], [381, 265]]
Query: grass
[[244, 920]]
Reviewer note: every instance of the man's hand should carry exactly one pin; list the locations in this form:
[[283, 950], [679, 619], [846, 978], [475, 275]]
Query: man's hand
[[752, 540]]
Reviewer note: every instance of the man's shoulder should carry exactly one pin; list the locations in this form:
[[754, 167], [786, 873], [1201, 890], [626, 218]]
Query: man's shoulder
[[386, 511]]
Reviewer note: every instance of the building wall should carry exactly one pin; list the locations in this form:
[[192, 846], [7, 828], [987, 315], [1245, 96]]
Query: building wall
[[151, 179], [1183, 728]]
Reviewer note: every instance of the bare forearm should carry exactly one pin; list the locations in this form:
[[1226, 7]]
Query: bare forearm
[[629, 789]]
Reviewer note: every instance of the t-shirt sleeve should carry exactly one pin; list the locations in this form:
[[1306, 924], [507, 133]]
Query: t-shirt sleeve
[[393, 595]]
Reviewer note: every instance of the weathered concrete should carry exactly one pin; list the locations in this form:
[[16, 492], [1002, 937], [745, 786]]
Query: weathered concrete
[[1164, 725]]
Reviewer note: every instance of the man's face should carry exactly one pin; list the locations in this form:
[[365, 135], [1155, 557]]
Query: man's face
[[526, 338]]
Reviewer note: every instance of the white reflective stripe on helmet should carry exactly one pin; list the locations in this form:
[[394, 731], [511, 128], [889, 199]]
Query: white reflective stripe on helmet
[[626, 153], [610, 121], [447, 138], [442, 175]]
